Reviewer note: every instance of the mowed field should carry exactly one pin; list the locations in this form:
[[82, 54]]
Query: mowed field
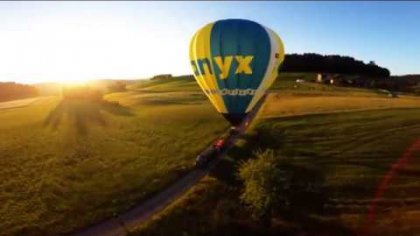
[[67, 164], [354, 158]]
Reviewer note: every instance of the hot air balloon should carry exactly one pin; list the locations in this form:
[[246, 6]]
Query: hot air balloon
[[234, 62]]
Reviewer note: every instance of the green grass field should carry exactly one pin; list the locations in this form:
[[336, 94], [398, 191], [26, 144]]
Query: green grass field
[[68, 164], [339, 144]]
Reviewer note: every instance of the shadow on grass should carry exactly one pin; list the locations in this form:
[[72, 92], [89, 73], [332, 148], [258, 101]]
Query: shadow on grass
[[83, 113], [305, 198]]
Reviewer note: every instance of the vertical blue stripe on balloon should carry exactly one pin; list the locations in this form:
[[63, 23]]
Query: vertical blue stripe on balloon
[[240, 38]]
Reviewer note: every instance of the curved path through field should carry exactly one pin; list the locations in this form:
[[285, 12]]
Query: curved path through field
[[18, 103], [121, 224]]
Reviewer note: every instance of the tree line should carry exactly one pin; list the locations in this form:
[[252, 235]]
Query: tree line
[[333, 64], [12, 90]]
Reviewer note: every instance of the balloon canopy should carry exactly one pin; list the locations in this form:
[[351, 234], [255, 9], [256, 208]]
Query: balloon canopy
[[235, 61]]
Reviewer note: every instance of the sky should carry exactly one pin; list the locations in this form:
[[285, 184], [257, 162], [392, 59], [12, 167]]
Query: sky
[[78, 41]]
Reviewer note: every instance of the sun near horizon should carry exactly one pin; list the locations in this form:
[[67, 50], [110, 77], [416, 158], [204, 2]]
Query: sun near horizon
[[70, 43]]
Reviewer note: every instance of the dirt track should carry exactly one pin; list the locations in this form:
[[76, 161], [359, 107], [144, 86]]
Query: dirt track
[[17, 103]]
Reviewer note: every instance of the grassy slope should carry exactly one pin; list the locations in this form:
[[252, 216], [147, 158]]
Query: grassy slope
[[68, 164], [290, 98], [346, 154]]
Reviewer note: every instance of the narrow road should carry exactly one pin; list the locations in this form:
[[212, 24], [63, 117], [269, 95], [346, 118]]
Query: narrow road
[[18, 103], [121, 224]]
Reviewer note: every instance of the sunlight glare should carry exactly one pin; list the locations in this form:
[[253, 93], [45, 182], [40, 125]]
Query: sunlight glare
[[71, 50]]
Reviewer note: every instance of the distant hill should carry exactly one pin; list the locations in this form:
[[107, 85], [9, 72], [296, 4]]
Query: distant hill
[[105, 84], [408, 83], [50, 89], [413, 78], [333, 64], [13, 91], [169, 77]]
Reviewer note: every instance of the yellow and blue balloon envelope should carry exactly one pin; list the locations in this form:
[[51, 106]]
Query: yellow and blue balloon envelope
[[235, 62]]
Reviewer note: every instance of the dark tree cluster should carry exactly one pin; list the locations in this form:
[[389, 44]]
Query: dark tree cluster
[[334, 64], [12, 90], [162, 77]]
